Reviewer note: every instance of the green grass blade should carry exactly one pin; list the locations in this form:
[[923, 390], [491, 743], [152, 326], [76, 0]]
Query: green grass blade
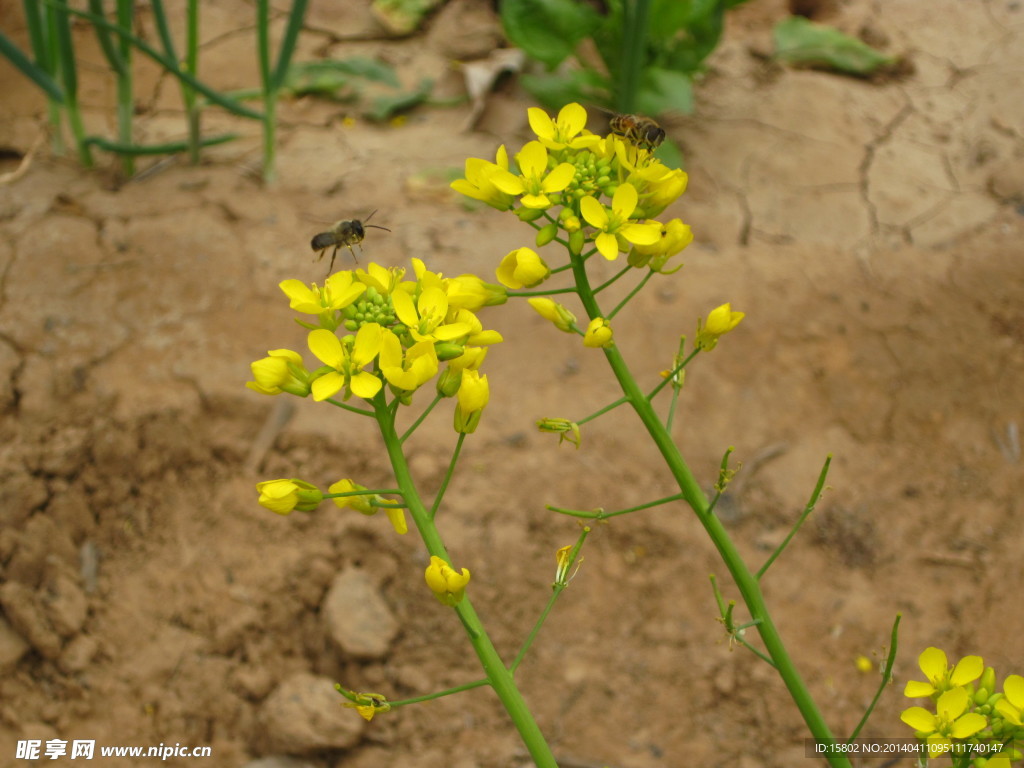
[[69, 75], [106, 41], [27, 67], [171, 66], [288, 43], [35, 20], [163, 29], [170, 148]]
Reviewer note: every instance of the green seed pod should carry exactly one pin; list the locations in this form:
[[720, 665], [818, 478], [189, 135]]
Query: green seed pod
[[529, 214]]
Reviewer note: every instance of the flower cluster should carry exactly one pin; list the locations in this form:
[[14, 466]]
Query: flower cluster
[[969, 720], [373, 328], [582, 188]]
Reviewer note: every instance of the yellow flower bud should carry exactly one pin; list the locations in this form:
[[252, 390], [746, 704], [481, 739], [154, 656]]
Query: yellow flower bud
[[473, 395], [285, 496], [721, 320], [472, 293], [282, 371], [599, 334], [555, 312], [522, 268], [447, 585]]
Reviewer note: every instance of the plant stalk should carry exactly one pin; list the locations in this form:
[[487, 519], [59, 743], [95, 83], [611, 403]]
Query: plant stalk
[[745, 580], [498, 675]]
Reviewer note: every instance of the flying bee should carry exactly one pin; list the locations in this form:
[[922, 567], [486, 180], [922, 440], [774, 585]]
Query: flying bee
[[342, 234], [639, 131]]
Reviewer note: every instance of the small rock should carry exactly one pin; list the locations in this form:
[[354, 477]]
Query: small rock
[[305, 714], [1007, 182], [358, 620]]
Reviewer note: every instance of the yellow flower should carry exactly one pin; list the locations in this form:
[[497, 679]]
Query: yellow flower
[[282, 371], [382, 279], [368, 704], [367, 504], [1011, 706], [472, 293], [599, 334], [675, 236], [562, 132], [721, 320], [522, 268], [347, 361], [410, 369], [340, 290], [473, 394], [535, 183], [475, 335], [447, 585], [947, 723], [555, 312], [936, 668], [426, 318], [285, 496], [659, 186], [479, 185], [616, 223], [450, 380]]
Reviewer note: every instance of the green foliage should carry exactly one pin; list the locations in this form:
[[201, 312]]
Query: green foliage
[[800, 41], [650, 50], [346, 80]]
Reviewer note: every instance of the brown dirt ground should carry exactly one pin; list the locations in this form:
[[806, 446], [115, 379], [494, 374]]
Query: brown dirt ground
[[870, 230]]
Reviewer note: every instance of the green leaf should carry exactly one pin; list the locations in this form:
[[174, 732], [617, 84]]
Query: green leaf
[[700, 36], [554, 91], [330, 76], [670, 154], [35, 73], [548, 30], [665, 90], [800, 41], [386, 106]]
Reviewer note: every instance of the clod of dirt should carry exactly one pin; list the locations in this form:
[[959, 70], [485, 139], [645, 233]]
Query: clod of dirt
[[47, 616], [304, 715], [1007, 182], [12, 646], [358, 620]]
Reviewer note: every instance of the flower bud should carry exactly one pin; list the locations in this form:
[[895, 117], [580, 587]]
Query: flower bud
[[599, 334], [473, 395], [472, 293], [721, 320], [546, 234], [555, 312], [522, 268], [285, 496], [282, 371], [448, 586], [576, 242], [529, 214]]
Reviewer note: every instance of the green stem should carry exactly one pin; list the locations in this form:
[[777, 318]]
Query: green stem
[[65, 45], [268, 90], [631, 63], [499, 676], [448, 475], [125, 99], [746, 581], [188, 93]]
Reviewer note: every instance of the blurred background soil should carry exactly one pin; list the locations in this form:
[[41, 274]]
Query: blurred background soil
[[870, 230]]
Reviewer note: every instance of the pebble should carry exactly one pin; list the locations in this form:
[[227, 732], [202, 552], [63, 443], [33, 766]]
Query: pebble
[[359, 622], [304, 714]]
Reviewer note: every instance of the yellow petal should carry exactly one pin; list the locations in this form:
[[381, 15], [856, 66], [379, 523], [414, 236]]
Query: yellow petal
[[594, 212], [326, 346]]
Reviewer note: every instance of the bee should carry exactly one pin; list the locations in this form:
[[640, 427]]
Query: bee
[[342, 234], [638, 130]]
